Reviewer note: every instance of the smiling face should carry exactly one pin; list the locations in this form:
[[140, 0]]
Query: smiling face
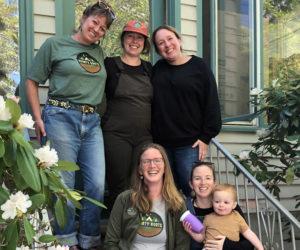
[[92, 29], [152, 166], [133, 43], [223, 202], [202, 181], [168, 45]]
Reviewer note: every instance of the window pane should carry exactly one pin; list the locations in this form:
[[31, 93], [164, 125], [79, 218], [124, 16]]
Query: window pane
[[234, 59], [281, 38]]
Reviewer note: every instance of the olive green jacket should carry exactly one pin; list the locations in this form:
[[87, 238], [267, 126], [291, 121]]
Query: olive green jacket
[[124, 222]]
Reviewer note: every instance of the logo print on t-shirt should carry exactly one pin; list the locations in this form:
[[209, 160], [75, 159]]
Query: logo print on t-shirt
[[151, 225], [89, 63]]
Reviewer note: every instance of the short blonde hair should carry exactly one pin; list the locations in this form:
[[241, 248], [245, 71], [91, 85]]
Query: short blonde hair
[[226, 187]]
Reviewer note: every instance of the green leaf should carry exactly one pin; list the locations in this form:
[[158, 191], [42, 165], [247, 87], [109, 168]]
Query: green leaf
[[29, 232], [11, 235], [43, 177], [28, 169], [4, 195], [66, 191], [37, 200], [5, 127], [18, 179], [95, 202], [9, 156], [2, 166], [289, 176], [60, 213], [14, 109], [21, 140], [66, 166], [2, 148], [76, 195], [47, 238]]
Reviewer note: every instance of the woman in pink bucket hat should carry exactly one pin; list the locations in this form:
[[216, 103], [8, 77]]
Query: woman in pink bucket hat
[[126, 122]]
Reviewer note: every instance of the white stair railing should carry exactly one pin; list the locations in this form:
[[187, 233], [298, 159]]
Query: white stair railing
[[276, 227]]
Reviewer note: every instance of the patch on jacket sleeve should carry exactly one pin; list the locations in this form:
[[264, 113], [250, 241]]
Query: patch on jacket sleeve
[[131, 211]]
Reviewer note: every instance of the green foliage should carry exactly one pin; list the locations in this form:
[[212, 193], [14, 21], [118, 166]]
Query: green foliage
[[9, 56], [21, 170], [281, 139], [274, 9], [9, 30]]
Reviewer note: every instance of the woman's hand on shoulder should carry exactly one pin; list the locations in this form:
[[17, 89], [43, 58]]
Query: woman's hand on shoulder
[[216, 244], [202, 149]]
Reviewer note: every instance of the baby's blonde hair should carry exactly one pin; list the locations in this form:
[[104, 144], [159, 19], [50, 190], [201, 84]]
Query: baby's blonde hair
[[226, 187]]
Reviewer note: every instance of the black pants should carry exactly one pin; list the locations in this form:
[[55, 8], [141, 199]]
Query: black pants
[[121, 159]]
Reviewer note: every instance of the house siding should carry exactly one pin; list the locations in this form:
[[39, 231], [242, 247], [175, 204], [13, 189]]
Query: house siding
[[234, 142], [44, 27]]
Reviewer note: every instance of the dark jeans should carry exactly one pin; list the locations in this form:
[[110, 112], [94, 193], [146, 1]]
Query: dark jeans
[[181, 160]]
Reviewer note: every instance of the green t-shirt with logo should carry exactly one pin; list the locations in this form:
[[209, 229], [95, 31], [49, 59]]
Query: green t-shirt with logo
[[75, 71]]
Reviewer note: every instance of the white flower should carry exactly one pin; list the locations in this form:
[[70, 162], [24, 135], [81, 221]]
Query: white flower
[[10, 210], [46, 156], [4, 186], [275, 83], [4, 111], [261, 133], [62, 248], [26, 121], [16, 204], [244, 155], [255, 92], [22, 248]]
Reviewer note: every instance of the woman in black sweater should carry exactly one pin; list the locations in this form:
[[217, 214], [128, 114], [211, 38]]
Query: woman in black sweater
[[185, 108]]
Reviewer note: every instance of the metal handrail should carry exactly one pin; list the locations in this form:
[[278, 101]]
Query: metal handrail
[[257, 184]]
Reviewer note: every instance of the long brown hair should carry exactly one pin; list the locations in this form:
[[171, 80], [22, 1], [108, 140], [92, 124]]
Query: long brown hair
[[170, 193]]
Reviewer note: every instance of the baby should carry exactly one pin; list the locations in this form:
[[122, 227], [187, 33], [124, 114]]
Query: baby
[[225, 220]]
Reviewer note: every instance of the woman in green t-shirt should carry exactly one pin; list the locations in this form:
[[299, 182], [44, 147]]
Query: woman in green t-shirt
[[74, 66]]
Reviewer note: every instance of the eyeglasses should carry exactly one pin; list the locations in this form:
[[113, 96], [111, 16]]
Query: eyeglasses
[[155, 161], [104, 6]]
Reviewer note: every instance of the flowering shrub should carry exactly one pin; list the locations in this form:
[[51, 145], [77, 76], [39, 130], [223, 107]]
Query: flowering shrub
[[281, 138], [28, 180]]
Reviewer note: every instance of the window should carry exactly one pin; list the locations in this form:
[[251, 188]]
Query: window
[[281, 30], [234, 55]]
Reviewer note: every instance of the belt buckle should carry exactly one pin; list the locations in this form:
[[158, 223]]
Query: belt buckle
[[87, 109]]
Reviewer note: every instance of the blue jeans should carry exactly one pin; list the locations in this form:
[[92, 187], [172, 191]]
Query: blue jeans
[[181, 161], [77, 137]]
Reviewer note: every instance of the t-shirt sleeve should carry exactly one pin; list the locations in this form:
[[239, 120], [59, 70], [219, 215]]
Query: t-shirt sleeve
[[41, 66], [242, 223]]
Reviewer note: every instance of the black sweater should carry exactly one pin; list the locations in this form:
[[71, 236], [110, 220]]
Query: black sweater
[[185, 103]]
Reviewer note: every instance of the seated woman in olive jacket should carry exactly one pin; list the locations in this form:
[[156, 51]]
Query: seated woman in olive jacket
[[148, 214]]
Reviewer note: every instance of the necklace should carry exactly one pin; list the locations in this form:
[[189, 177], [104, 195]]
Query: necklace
[[202, 205]]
